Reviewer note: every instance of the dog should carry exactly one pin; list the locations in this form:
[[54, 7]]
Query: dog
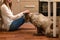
[[43, 24]]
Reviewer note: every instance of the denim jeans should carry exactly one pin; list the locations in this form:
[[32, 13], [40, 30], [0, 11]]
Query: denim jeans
[[16, 24]]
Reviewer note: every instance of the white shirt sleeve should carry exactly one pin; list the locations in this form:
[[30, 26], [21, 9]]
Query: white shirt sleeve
[[9, 13]]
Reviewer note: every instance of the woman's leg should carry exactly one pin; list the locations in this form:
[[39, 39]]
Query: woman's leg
[[16, 24]]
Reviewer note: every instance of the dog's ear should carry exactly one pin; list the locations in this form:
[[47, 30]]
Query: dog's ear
[[26, 17]]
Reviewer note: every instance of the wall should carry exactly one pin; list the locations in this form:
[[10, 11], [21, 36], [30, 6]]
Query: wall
[[22, 5], [15, 6]]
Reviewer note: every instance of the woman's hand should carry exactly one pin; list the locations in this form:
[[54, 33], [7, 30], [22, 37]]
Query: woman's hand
[[26, 12]]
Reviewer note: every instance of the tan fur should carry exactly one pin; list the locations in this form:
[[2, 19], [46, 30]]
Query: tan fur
[[41, 20]]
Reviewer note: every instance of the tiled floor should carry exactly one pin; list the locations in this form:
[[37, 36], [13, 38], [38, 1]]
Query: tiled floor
[[25, 33]]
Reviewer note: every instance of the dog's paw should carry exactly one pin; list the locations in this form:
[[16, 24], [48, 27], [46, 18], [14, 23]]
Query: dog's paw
[[50, 35]]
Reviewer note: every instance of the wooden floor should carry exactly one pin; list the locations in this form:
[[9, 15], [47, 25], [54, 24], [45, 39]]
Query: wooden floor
[[25, 33]]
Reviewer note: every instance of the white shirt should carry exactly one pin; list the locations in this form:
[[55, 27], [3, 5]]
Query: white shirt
[[8, 16]]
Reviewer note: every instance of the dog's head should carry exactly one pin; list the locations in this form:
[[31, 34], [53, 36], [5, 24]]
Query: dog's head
[[28, 17]]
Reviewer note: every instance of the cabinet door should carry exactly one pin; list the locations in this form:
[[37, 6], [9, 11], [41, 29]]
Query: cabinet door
[[43, 8], [58, 8]]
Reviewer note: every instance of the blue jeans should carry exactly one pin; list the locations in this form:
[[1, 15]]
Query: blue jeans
[[16, 24]]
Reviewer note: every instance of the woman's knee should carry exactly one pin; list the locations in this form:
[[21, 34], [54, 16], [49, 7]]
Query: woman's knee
[[22, 19]]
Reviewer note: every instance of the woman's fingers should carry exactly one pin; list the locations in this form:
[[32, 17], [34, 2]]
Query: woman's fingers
[[26, 11]]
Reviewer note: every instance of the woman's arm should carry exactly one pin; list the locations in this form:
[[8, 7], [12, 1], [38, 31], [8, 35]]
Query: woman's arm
[[19, 15], [9, 13], [14, 17]]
